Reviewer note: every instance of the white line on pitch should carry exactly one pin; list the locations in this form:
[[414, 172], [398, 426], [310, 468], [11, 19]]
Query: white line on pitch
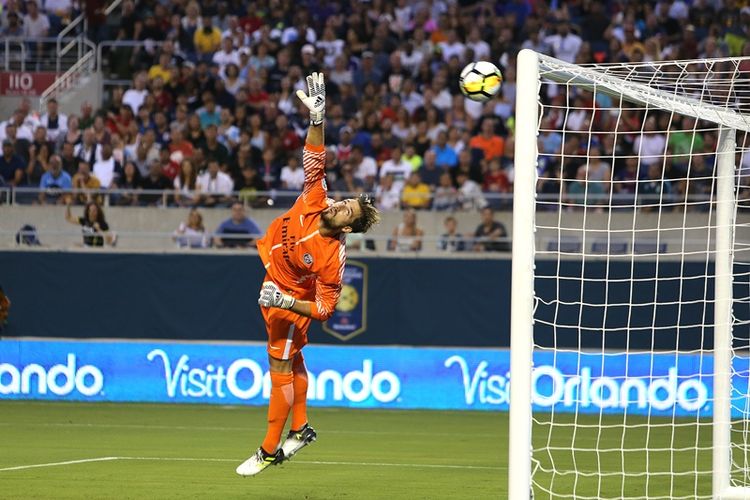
[[55, 464], [225, 429], [318, 462]]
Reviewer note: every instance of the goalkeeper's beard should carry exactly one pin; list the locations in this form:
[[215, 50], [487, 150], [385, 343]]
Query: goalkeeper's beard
[[326, 219]]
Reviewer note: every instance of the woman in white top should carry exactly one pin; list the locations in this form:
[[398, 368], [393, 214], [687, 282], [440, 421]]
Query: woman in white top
[[191, 234], [407, 236], [186, 188], [258, 136]]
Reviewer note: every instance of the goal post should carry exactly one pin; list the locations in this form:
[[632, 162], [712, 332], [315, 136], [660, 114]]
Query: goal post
[[629, 304]]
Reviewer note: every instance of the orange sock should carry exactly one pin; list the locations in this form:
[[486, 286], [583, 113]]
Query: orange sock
[[282, 396], [299, 407]]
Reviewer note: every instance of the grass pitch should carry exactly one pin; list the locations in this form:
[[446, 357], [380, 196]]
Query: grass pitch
[[191, 451], [122, 451]]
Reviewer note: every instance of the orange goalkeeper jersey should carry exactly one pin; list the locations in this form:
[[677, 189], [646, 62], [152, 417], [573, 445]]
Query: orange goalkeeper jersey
[[297, 258]]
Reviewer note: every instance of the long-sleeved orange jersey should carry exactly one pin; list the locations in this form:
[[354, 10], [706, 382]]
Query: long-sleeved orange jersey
[[297, 258]]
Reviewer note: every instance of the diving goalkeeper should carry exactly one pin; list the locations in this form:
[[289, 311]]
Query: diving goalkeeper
[[303, 253]]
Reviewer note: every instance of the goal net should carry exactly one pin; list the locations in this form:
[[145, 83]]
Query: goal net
[[631, 280]]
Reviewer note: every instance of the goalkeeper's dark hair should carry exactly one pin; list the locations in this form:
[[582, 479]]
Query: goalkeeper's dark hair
[[369, 215]]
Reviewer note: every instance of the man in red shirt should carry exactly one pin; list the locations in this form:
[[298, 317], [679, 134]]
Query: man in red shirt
[[304, 255]]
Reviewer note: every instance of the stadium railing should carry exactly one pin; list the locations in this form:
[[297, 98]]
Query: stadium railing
[[65, 238], [279, 198], [41, 53]]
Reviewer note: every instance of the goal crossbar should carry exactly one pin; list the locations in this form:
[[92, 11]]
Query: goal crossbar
[[592, 78]]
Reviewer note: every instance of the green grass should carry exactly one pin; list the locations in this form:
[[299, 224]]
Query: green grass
[[442, 454], [36, 433]]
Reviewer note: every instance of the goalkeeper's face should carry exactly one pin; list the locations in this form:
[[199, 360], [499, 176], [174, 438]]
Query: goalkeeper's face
[[341, 215]]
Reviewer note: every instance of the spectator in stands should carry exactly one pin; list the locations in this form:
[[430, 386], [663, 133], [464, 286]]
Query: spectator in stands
[[550, 188], [12, 165], [209, 113], [583, 192], [191, 234], [491, 235], [445, 196], [88, 150], [213, 149], [653, 188], [93, 224], [496, 183], [407, 236], [429, 171], [367, 73], [73, 135], [491, 144], [650, 144], [365, 167], [13, 28], [129, 179], [135, 96], [397, 167], [564, 43], [292, 176], [347, 186], [249, 185], [86, 182], [186, 186], [388, 196], [54, 122], [107, 169], [54, 183], [237, 225], [445, 155], [416, 194], [35, 25], [469, 193], [269, 170], [20, 146], [69, 159], [207, 39], [155, 181], [38, 163], [451, 240], [162, 70], [215, 187]]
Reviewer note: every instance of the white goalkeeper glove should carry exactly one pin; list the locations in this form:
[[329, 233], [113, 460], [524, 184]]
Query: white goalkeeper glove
[[315, 99], [271, 296]]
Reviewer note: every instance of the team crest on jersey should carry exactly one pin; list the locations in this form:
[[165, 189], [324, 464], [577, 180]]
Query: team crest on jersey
[[307, 259], [323, 183]]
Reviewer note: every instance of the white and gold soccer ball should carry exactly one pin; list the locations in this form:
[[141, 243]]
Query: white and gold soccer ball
[[480, 81]]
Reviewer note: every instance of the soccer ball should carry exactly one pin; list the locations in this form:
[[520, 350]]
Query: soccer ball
[[480, 81]]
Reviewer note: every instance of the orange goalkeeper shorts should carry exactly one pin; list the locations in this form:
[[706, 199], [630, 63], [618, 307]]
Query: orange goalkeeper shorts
[[287, 332]]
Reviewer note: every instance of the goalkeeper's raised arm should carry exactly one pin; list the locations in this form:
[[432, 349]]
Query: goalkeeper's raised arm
[[313, 158]]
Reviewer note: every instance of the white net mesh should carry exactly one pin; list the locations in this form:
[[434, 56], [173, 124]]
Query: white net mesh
[[624, 285]]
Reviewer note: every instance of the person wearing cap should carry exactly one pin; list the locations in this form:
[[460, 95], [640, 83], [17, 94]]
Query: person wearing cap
[[308, 64], [11, 165], [367, 72]]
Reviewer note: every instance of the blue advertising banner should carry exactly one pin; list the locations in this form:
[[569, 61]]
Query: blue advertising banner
[[364, 377]]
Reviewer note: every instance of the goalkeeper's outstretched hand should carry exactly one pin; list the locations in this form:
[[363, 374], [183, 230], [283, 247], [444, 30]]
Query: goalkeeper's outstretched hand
[[271, 296], [315, 99]]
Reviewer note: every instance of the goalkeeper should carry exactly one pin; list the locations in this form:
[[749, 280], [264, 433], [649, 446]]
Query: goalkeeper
[[303, 253]]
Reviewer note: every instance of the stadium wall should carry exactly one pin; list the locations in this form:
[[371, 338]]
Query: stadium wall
[[385, 301]]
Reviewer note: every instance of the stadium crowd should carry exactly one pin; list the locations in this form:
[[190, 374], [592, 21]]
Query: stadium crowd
[[211, 114]]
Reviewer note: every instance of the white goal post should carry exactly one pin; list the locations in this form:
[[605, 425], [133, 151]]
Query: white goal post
[[630, 289]]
